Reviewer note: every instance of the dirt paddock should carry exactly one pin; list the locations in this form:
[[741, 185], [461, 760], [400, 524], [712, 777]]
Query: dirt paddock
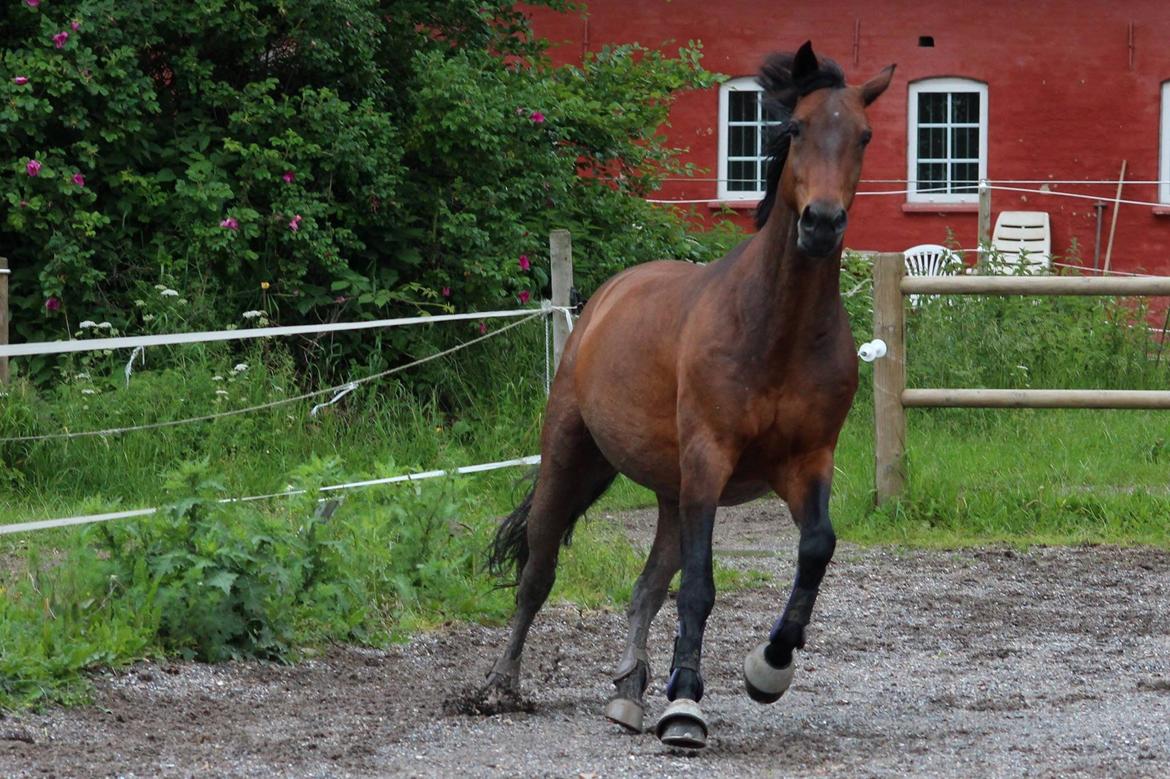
[[1051, 662]]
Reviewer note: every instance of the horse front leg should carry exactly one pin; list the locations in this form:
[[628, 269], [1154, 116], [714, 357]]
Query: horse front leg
[[704, 475], [769, 668]]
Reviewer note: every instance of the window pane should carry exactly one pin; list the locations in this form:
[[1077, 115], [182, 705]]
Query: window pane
[[742, 142], [965, 143], [932, 143], [965, 177], [965, 107], [932, 176], [741, 176], [742, 106], [932, 107]]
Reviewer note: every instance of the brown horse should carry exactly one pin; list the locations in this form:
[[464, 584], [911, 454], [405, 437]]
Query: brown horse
[[711, 385]]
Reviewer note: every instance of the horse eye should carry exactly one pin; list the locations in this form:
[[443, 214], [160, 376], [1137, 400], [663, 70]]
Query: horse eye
[[866, 137], [794, 129]]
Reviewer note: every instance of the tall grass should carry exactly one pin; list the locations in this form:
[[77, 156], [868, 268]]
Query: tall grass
[[211, 580], [1017, 476]]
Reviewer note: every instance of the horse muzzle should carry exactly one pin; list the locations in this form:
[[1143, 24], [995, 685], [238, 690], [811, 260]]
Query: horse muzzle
[[820, 229]]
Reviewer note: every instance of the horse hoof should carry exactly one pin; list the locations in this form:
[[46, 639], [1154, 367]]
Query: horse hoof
[[626, 713], [764, 683], [682, 725]]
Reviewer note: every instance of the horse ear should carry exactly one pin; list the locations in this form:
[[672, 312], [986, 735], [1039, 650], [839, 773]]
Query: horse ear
[[872, 89], [804, 64]]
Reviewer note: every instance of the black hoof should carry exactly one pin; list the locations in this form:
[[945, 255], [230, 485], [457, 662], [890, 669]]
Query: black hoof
[[682, 725], [627, 713]]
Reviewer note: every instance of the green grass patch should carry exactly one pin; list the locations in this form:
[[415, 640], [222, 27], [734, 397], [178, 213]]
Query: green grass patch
[[208, 580]]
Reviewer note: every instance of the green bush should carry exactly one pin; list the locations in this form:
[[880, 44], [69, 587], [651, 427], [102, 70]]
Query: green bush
[[316, 160]]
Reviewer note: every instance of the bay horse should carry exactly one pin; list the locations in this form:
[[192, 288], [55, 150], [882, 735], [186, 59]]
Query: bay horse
[[710, 385]]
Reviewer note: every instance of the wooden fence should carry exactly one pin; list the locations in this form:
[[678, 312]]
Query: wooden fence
[[892, 398]]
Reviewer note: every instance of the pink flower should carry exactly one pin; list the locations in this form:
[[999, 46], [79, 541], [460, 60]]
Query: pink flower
[[482, 328], [53, 304], [537, 117], [230, 223], [20, 80], [288, 177], [60, 38], [446, 292], [33, 167], [79, 179], [521, 110], [295, 223], [340, 299], [523, 296], [524, 263], [32, 3], [76, 25]]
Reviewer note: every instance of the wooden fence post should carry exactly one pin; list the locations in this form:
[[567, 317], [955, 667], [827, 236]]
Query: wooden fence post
[[889, 378], [3, 317], [560, 246], [984, 222]]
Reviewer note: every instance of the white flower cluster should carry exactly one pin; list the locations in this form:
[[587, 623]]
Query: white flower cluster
[[89, 324]]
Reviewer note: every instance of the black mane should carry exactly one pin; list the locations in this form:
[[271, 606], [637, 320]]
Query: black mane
[[786, 77]]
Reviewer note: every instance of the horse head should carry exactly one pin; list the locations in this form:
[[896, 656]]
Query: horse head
[[817, 151]]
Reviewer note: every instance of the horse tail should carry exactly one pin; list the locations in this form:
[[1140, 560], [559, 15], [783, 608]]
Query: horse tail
[[509, 548]]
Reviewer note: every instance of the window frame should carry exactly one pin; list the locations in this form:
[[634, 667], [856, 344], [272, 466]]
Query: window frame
[[948, 85], [742, 84], [1164, 147]]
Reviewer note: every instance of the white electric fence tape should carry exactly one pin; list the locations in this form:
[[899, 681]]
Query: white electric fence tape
[[89, 519], [272, 404], [1000, 186], [130, 342]]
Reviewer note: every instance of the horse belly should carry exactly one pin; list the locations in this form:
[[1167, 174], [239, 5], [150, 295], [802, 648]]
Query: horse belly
[[636, 442], [737, 492]]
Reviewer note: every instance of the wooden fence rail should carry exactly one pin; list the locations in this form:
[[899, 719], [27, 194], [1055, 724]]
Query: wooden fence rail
[[892, 398]]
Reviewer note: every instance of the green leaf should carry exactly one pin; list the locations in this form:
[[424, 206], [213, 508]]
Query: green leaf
[[221, 579]]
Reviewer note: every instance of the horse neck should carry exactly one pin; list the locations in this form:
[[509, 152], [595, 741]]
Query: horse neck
[[793, 300]]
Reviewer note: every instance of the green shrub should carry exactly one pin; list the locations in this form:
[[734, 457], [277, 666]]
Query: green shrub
[[172, 166]]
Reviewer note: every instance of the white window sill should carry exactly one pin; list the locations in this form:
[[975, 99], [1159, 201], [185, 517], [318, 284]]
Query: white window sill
[[940, 208]]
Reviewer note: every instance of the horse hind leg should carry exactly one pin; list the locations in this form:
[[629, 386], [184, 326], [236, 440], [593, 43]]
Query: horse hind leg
[[627, 707], [570, 480]]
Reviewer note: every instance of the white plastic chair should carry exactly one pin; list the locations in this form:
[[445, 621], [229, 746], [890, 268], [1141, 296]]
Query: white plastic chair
[[930, 259], [1023, 238]]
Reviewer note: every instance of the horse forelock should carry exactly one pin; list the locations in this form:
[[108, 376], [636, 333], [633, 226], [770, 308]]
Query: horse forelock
[[782, 90]]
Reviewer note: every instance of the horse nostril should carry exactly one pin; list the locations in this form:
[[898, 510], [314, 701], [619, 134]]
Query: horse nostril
[[823, 217]]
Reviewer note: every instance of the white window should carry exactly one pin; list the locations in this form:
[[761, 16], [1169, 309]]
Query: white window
[[1164, 147], [947, 140], [743, 140]]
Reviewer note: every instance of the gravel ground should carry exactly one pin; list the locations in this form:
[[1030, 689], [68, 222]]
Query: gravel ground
[[983, 662]]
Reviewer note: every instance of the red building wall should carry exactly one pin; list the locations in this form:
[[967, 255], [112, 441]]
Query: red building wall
[[1069, 98]]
